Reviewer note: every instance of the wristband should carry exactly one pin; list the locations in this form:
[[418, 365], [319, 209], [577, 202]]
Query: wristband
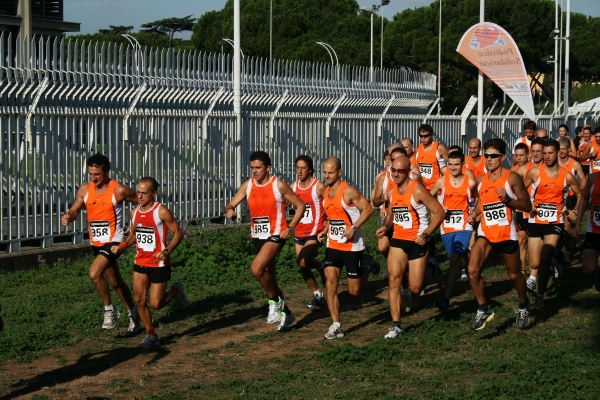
[[122, 245]]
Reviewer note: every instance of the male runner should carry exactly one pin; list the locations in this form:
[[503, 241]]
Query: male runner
[[474, 161], [586, 138], [591, 150], [591, 245], [103, 199], [431, 156], [457, 194], [523, 165], [549, 183], [269, 229], [347, 210], [409, 203], [150, 223], [529, 127], [407, 144], [464, 170], [310, 190], [574, 167], [500, 192]]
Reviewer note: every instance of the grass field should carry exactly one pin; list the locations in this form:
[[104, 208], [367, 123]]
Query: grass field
[[221, 347]]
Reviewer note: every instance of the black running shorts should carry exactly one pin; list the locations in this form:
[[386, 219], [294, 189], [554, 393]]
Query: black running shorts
[[541, 230], [104, 250], [412, 250], [351, 259], [258, 243], [156, 274]]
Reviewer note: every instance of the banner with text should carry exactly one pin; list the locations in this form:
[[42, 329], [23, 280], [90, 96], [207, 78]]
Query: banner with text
[[491, 49]]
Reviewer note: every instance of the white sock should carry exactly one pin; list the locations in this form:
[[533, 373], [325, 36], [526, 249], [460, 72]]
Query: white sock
[[109, 308], [133, 312], [318, 293], [533, 278], [337, 324], [406, 291]]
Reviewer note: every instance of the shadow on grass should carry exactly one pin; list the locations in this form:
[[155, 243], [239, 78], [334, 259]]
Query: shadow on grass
[[90, 364]]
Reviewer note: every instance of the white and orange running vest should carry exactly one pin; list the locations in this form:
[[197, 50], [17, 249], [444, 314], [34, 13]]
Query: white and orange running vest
[[477, 170], [409, 216], [267, 209], [150, 237], [594, 221], [341, 216], [497, 223], [595, 161], [456, 200], [430, 162], [549, 195], [105, 215], [313, 220]]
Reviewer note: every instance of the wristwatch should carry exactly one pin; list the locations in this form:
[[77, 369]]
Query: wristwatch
[[354, 228], [291, 228], [167, 251], [425, 235]]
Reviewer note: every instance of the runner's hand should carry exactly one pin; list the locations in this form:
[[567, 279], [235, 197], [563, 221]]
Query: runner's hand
[[321, 236], [65, 219], [116, 250], [420, 240], [381, 232], [348, 233], [501, 192], [286, 233]]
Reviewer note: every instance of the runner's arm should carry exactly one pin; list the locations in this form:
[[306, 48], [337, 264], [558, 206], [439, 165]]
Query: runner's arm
[[573, 149], [443, 150], [583, 203], [437, 212], [437, 186], [377, 192], [572, 182], [353, 197], [129, 240], [287, 192], [237, 199], [76, 207], [523, 202], [387, 224], [587, 152], [167, 217], [580, 175], [125, 193]]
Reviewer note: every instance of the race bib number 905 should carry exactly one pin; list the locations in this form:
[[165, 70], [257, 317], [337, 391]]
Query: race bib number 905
[[495, 214], [336, 230], [145, 238], [100, 231], [262, 228]]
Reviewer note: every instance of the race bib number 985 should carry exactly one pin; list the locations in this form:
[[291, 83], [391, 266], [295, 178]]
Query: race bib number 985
[[100, 231], [262, 228], [495, 214], [145, 238]]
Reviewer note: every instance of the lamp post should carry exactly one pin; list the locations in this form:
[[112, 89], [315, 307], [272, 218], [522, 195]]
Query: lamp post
[[225, 39], [331, 50], [271, 33], [383, 3], [136, 47], [370, 11]]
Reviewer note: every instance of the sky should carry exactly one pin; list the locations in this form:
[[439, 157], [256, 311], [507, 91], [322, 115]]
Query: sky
[[99, 14]]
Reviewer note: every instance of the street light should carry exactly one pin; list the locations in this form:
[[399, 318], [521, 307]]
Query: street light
[[136, 47], [383, 3], [371, 11], [230, 42], [331, 50]]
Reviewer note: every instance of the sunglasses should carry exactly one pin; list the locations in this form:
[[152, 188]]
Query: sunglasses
[[492, 155], [399, 171], [541, 137], [425, 136]]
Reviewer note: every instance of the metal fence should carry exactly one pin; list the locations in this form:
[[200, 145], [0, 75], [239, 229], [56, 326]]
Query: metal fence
[[169, 114]]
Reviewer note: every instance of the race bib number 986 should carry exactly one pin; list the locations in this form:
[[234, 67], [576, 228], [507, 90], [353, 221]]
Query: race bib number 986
[[495, 214]]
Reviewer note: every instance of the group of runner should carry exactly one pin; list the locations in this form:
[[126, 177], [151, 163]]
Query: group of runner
[[479, 205]]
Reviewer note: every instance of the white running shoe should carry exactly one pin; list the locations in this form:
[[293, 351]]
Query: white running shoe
[[181, 298], [134, 324], [110, 318], [149, 341], [394, 332], [531, 284], [463, 275], [334, 332], [285, 321], [275, 309]]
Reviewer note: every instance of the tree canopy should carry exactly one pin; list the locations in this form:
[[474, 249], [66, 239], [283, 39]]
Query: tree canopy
[[170, 26]]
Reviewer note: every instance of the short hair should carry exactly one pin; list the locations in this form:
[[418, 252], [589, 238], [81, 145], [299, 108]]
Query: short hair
[[587, 128], [552, 143], [99, 161], [399, 150], [457, 154], [386, 154], [426, 128], [308, 160], [528, 125], [261, 156], [564, 141], [522, 146], [563, 126], [455, 148], [538, 141], [151, 181], [497, 144], [409, 140], [578, 130]]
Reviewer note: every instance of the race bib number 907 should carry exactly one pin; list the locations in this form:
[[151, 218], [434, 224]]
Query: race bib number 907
[[547, 212]]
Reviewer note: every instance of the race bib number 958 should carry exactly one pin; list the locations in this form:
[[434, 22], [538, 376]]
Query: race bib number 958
[[100, 231]]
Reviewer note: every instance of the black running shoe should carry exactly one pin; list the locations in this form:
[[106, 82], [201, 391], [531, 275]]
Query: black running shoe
[[374, 266], [481, 318], [523, 317]]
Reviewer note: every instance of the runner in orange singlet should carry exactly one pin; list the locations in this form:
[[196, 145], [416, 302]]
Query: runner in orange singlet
[[474, 161], [310, 190], [574, 167], [548, 185], [408, 145], [409, 202], [500, 192], [269, 229], [529, 127], [347, 210], [592, 150], [103, 199], [150, 224], [431, 156], [591, 245], [457, 193], [584, 159]]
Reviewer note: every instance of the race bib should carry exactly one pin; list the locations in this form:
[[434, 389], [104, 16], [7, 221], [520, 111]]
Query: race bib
[[426, 170], [402, 217], [455, 219], [495, 214], [336, 230], [597, 215], [100, 231], [307, 217], [146, 239], [597, 163], [262, 228], [547, 212]]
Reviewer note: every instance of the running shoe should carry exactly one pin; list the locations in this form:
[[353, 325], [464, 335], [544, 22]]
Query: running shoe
[[317, 302], [557, 269], [134, 324], [597, 283], [373, 265], [523, 317], [110, 318], [442, 304], [181, 298], [463, 275], [285, 321], [394, 332], [275, 309], [406, 300], [481, 318], [531, 285], [149, 341], [567, 257], [538, 304], [334, 332]]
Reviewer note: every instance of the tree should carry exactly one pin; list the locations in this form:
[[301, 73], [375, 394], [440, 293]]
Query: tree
[[115, 30], [171, 25]]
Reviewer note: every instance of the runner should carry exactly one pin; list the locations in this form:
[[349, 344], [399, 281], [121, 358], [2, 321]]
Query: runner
[[457, 194], [103, 199], [409, 203], [150, 224], [548, 193], [269, 229], [591, 150], [347, 210], [574, 167], [408, 145], [521, 154], [500, 192], [310, 191], [529, 127], [464, 170], [474, 161], [586, 137], [591, 245], [431, 156], [563, 132]]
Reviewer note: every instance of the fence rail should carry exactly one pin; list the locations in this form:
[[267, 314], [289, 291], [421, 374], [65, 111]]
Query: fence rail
[[169, 115]]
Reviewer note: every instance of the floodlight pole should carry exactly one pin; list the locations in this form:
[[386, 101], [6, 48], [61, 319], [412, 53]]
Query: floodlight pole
[[567, 48], [237, 95], [480, 83]]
